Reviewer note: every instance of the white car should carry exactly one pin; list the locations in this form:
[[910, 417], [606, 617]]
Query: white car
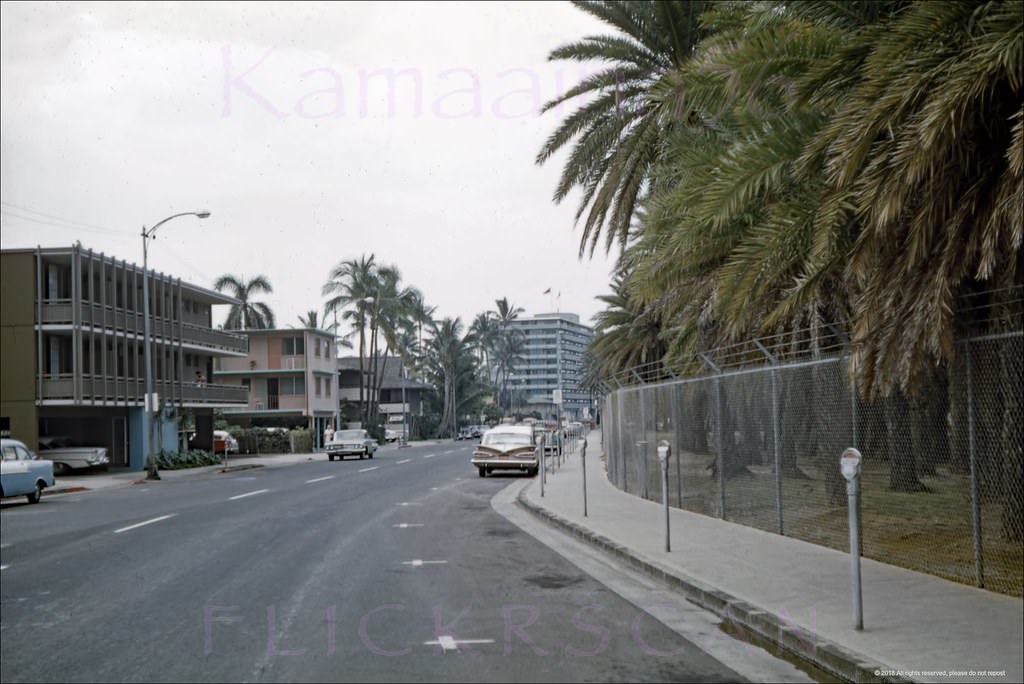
[[351, 443], [391, 436], [67, 457], [22, 472], [507, 447]]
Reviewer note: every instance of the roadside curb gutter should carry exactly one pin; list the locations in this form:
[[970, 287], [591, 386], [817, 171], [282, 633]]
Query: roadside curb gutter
[[845, 664]]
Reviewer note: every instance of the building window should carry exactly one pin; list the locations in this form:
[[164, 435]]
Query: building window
[[318, 392], [327, 387], [316, 346], [293, 386], [292, 346]]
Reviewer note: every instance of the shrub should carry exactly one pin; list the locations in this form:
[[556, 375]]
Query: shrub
[[193, 458], [301, 441]]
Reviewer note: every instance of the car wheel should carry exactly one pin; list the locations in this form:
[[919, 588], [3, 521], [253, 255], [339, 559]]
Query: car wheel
[[362, 455], [330, 457], [61, 468], [36, 494], [532, 472], [483, 473], [490, 470]]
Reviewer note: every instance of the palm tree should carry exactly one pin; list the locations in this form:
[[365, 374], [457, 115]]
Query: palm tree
[[619, 129], [349, 288], [246, 314], [507, 344], [451, 367], [310, 320]]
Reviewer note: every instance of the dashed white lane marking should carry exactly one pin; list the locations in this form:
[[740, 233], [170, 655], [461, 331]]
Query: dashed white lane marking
[[405, 525], [430, 456], [4, 567], [5, 546], [401, 462], [450, 451], [242, 496], [147, 522], [320, 479], [433, 489], [366, 470], [420, 563], [408, 503], [449, 643]]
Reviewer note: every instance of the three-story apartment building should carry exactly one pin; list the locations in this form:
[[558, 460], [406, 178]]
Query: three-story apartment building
[[72, 361], [290, 374]]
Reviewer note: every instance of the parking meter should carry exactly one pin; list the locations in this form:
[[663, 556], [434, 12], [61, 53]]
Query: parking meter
[[664, 453], [849, 466]]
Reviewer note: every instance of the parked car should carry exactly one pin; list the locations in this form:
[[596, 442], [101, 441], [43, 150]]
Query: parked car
[[351, 443], [22, 472], [66, 456], [391, 436], [224, 443], [465, 433], [507, 447]]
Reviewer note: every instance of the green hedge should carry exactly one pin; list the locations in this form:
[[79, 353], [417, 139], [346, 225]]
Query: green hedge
[[179, 460]]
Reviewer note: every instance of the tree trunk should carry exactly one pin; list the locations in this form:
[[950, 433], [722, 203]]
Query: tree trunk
[[902, 458], [1012, 449]]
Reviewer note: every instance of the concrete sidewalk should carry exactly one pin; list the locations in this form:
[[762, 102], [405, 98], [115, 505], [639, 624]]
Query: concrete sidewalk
[[916, 627]]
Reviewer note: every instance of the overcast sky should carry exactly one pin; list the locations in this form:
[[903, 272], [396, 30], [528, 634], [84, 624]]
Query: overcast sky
[[312, 133]]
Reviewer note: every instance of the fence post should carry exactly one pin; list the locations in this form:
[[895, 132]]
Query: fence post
[[979, 559], [777, 446], [776, 442], [677, 427], [720, 439]]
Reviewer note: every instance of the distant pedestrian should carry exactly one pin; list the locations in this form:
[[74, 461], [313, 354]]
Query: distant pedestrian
[[200, 379], [328, 435]]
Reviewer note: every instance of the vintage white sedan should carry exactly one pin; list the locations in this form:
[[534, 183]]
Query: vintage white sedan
[[67, 457], [22, 472], [351, 443], [507, 447]]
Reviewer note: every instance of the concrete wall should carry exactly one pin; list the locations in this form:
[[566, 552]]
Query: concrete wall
[[18, 346]]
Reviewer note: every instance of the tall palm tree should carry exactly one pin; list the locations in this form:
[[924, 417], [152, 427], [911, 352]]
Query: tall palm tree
[[310, 320], [247, 313], [349, 289], [619, 130], [451, 366], [507, 342]]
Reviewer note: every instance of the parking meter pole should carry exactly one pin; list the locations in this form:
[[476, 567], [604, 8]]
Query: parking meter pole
[[583, 463], [664, 451], [543, 467], [850, 464]]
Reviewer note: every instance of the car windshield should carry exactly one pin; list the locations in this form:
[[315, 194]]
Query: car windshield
[[349, 434], [507, 438]]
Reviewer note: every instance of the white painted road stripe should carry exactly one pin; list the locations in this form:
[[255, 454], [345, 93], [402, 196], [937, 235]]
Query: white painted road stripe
[[320, 479], [148, 522], [406, 503], [366, 470], [242, 496], [404, 525], [419, 563], [449, 643], [4, 567], [430, 456], [405, 461]]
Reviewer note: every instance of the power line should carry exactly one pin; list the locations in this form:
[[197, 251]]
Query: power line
[[19, 212]]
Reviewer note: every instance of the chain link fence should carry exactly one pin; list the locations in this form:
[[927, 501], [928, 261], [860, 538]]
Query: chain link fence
[[942, 487]]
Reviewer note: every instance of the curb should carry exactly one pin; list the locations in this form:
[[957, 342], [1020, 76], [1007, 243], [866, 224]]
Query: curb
[[796, 641]]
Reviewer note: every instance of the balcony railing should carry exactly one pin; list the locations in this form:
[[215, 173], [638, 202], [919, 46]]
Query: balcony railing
[[132, 390], [60, 312]]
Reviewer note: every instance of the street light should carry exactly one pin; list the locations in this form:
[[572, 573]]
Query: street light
[[150, 403]]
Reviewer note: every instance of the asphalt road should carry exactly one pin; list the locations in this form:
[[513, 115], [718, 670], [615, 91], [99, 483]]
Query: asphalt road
[[390, 569]]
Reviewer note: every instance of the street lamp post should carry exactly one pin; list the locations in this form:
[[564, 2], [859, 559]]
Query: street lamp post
[[149, 405]]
